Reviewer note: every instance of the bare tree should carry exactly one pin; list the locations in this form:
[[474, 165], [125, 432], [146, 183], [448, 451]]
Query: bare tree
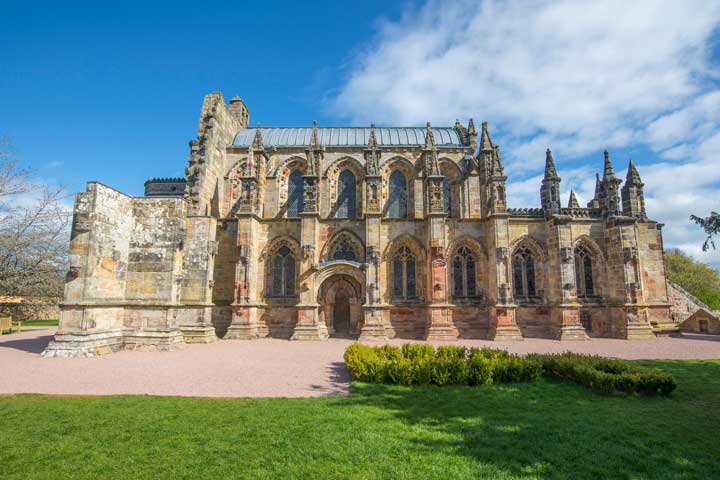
[[711, 225], [34, 236]]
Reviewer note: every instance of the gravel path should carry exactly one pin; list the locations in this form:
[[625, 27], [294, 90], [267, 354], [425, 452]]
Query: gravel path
[[259, 368]]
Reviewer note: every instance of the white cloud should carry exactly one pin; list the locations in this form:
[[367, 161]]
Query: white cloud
[[577, 76]]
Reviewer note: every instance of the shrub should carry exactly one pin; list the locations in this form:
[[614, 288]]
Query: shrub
[[422, 370], [514, 369], [605, 375], [480, 370], [400, 371], [415, 351], [364, 363]]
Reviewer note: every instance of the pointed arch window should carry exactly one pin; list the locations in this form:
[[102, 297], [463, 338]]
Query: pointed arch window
[[523, 267], [397, 195], [347, 189], [447, 195], [584, 272], [283, 274], [345, 250], [296, 190], [404, 282], [464, 280]]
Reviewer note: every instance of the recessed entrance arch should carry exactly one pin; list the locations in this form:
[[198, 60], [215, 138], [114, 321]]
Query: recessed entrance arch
[[340, 299]]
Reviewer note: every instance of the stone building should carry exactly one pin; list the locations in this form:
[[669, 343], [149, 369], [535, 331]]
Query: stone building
[[361, 232]]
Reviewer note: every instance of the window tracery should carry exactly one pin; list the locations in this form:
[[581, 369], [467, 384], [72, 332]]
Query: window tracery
[[404, 279], [523, 267], [464, 274], [397, 195], [584, 272]]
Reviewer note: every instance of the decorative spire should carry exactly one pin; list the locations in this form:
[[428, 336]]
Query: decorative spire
[[258, 140], [550, 172], [429, 137], [607, 169], [633, 177], [372, 140], [372, 154], [573, 202], [597, 186], [471, 128], [498, 168], [314, 143], [458, 125], [485, 142]]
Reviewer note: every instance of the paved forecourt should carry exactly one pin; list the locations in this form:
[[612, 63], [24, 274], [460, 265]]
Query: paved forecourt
[[259, 368]]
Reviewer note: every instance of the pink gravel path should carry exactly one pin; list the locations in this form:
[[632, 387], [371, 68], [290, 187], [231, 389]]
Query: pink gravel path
[[259, 368]]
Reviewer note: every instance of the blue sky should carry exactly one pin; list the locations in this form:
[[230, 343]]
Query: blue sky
[[94, 91]]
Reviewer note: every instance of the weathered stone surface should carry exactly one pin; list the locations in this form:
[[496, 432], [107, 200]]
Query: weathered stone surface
[[362, 242]]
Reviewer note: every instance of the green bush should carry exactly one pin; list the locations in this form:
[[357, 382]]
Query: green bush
[[415, 351], [421, 364], [605, 375], [480, 370]]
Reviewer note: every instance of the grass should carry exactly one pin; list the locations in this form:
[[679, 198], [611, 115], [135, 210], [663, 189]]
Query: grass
[[543, 430], [40, 323]]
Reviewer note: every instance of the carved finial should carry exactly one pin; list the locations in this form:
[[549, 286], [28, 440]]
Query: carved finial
[[471, 127], [372, 140], [258, 140], [573, 202], [633, 177], [458, 125], [429, 137], [550, 172], [485, 141], [498, 168], [607, 168], [314, 135]]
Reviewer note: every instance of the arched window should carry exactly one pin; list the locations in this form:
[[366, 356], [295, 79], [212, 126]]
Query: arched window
[[523, 274], [404, 286], [464, 281], [447, 195], [346, 195], [344, 250], [283, 273], [397, 195], [584, 272], [296, 190]]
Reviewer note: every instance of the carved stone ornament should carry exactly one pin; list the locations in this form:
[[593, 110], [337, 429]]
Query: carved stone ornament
[[630, 254], [212, 248], [308, 252], [373, 254], [72, 273], [244, 251], [502, 252], [566, 254]]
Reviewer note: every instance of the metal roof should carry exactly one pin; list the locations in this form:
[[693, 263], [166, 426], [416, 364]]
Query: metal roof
[[349, 136]]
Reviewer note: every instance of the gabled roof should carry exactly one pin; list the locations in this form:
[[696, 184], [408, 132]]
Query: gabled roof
[[349, 136]]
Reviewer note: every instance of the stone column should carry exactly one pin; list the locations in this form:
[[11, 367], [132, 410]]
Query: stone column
[[440, 323], [309, 326], [562, 294], [244, 324], [502, 307], [628, 309]]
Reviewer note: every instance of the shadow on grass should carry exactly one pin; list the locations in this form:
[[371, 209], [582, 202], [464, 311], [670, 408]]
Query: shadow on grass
[[32, 345], [554, 429]]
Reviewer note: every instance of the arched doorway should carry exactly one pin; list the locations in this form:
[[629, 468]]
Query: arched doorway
[[341, 306]]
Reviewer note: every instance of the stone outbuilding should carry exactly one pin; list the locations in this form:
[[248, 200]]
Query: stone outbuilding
[[702, 321]]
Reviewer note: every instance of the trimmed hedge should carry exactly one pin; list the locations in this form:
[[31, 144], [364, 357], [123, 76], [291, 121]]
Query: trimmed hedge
[[603, 375], [421, 364]]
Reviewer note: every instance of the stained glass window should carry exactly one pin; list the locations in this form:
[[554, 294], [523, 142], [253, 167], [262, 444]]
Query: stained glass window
[[295, 194], [584, 272], [464, 282], [344, 250], [524, 274], [347, 186], [397, 195], [283, 273], [404, 281]]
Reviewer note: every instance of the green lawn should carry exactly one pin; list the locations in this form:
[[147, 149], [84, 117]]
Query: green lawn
[[542, 430], [40, 323]]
